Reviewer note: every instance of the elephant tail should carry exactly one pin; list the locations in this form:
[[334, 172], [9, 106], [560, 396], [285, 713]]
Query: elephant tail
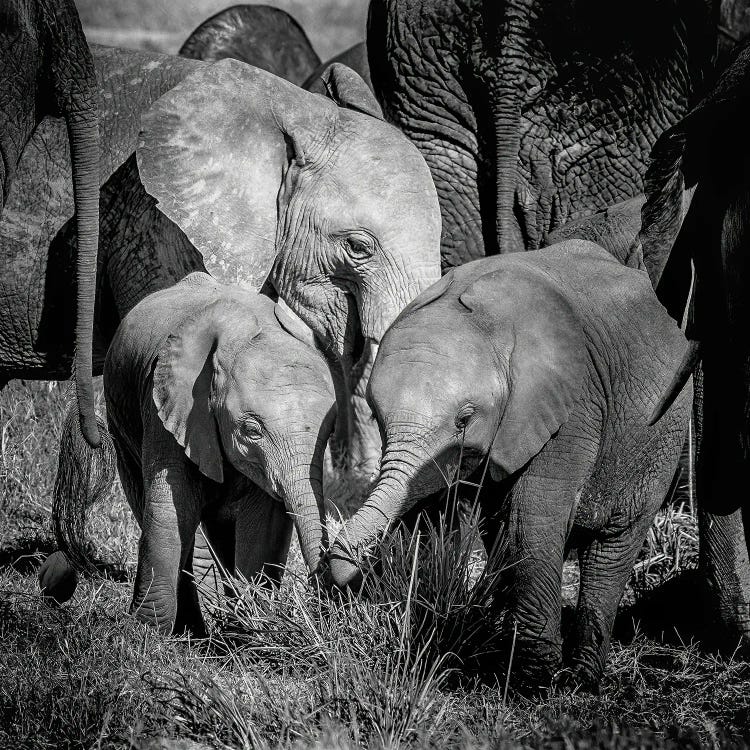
[[84, 477]]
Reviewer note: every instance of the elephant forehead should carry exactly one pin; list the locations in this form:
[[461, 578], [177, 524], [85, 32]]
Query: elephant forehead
[[383, 158]]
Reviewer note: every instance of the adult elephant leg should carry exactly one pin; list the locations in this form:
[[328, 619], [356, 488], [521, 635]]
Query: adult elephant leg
[[264, 532], [723, 556], [171, 513]]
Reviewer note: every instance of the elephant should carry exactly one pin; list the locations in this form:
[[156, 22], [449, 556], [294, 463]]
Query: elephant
[[354, 57], [704, 157], [219, 410], [343, 224], [46, 70], [259, 35], [535, 375], [532, 114]]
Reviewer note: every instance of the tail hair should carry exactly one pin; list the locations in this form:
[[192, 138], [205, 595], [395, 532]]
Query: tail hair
[[84, 477]]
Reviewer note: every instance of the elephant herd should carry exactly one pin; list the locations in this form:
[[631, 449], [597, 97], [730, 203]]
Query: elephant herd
[[292, 253]]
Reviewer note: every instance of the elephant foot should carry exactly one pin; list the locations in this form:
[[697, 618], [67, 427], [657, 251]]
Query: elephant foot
[[579, 679], [58, 579], [535, 663]]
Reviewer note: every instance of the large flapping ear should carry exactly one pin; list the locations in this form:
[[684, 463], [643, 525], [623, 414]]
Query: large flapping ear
[[184, 374], [292, 324], [536, 328], [349, 90], [213, 152]]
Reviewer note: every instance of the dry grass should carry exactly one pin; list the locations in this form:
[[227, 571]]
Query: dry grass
[[401, 666]]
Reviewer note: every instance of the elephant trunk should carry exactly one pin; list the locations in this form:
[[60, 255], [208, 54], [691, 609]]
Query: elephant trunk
[[303, 489], [388, 501]]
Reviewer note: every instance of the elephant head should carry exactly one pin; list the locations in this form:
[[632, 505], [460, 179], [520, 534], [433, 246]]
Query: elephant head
[[46, 68], [232, 388], [468, 372], [265, 178]]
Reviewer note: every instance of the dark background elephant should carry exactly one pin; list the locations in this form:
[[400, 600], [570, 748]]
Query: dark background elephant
[[707, 152], [531, 114], [534, 374], [259, 35], [46, 70]]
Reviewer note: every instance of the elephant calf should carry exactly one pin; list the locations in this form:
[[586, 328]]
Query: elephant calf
[[544, 367], [220, 411]]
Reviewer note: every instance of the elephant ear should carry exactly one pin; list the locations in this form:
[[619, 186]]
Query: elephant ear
[[184, 375], [349, 90], [432, 293], [217, 149], [292, 324], [538, 331]]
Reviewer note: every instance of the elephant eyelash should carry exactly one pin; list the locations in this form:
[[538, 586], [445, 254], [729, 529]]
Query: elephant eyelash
[[252, 425], [360, 245], [464, 414]]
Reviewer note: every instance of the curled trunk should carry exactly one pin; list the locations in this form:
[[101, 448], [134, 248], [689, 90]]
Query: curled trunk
[[386, 504]]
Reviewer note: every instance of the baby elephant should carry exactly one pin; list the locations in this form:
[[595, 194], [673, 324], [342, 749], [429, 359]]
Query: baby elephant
[[545, 368], [220, 412]]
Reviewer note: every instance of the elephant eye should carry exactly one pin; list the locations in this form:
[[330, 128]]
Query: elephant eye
[[464, 414], [252, 427], [360, 245]]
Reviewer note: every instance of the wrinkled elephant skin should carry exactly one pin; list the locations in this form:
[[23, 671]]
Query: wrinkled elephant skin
[[547, 365], [219, 416]]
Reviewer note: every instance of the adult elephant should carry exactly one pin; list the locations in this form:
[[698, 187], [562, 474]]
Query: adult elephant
[[258, 180], [259, 35], [531, 114], [46, 69], [706, 152]]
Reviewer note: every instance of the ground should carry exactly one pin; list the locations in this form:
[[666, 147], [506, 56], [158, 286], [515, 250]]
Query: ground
[[402, 667]]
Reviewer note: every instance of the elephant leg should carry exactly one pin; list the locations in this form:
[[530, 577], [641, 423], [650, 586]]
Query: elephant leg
[[606, 564], [537, 527], [264, 532], [723, 554], [171, 514]]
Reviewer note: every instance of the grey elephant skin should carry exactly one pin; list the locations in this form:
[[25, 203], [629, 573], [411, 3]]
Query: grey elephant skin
[[46, 70], [330, 205], [546, 367], [706, 152], [219, 415], [531, 114], [259, 35]]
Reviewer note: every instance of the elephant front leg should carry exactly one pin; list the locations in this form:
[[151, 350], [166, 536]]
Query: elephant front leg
[[537, 529], [171, 513], [264, 532]]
